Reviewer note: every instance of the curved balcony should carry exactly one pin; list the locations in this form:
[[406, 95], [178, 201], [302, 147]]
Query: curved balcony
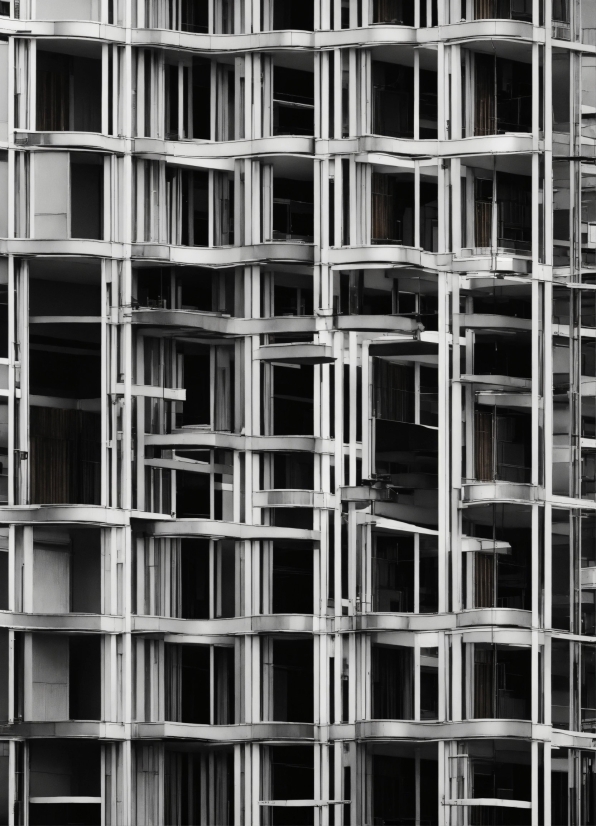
[[273, 251], [189, 150], [227, 530], [69, 514], [90, 623], [238, 733], [70, 140], [260, 624]]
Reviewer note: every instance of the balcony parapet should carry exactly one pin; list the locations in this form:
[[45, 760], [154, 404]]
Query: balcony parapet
[[424, 730], [499, 491], [93, 729], [293, 499], [68, 514], [226, 530], [183, 439], [272, 251], [71, 140], [85, 623], [239, 733], [222, 324]]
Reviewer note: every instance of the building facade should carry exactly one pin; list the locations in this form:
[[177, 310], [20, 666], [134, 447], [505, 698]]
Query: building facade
[[298, 412]]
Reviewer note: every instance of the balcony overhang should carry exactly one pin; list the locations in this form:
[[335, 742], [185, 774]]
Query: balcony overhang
[[283, 251], [214, 529], [239, 733], [296, 353], [473, 492]]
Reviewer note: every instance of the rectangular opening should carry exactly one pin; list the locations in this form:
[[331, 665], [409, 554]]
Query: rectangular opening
[[292, 680], [68, 92], [292, 580]]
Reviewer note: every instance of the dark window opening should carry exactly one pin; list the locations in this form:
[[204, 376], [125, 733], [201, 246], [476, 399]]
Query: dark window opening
[[293, 210], [68, 93], [393, 574], [84, 677], [397, 12], [86, 196], [502, 682], [293, 14], [293, 412], [502, 443], [392, 683], [293, 681], [187, 683], [193, 499], [293, 102], [292, 580], [393, 100]]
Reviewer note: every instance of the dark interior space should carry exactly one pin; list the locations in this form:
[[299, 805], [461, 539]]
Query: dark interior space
[[196, 100], [393, 574], [500, 770], [194, 554], [193, 218], [64, 367], [64, 768], [293, 681], [428, 574], [502, 682], [205, 290], [201, 97], [86, 195], [59, 814], [68, 93], [65, 456], [393, 100], [84, 677], [515, 303], [63, 298], [85, 571], [4, 579], [393, 211], [356, 297], [560, 683], [292, 295], [503, 443], [193, 499], [503, 580], [225, 578], [301, 518], [293, 102], [514, 212], [510, 9], [429, 683], [293, 210], [3, 321], [392, 682], [224, 685], [293, 389], [394, 786], [187, 694], [406, 457], [429, 113], [292, 772], [292, 580], [293, 471], [500, 355], [293, 14], [4, 671], [196, 410], [503, 96], [194, 16], [397, 12]]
